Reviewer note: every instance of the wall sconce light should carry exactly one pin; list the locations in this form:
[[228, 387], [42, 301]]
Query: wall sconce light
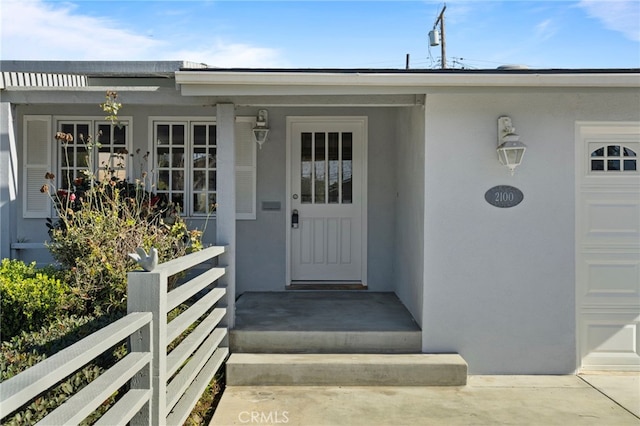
[[261, 129], [510, 149]]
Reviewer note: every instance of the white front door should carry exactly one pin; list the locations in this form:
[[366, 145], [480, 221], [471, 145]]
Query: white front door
[[327, 204], [608, 246]]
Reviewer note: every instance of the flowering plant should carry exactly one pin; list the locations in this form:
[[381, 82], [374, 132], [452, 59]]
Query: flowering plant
[[100, 221]]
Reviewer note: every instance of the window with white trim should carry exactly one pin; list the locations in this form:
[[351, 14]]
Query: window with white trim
[[186, 157], [98, 147], [613, 157], [185, 153]]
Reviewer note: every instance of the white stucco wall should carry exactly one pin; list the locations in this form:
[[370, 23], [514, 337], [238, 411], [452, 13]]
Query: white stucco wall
[[409, 204], [500, 283]]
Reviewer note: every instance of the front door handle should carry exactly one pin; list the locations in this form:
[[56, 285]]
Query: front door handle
[[295, 217]]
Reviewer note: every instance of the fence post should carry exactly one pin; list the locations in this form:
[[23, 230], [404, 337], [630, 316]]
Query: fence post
[[147, 292]]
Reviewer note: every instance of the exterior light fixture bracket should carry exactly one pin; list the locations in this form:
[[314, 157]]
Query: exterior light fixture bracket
[[261, 128]]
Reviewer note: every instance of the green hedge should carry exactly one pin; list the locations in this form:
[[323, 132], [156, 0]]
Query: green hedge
[[29, 298]]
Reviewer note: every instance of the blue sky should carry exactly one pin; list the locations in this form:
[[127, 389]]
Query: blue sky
[[321, 34]]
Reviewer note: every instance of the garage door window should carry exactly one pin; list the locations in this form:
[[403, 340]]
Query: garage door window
[[613, 158]]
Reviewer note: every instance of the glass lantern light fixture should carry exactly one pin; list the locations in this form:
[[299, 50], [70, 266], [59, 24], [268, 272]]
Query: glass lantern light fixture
[[261, 128], [510, 149]]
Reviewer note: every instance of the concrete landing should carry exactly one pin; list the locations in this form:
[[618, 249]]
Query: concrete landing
[[323, 322], [345, 370], [486, 400]]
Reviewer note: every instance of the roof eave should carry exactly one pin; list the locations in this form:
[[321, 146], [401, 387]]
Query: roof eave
[[100, 68], [290, 82]]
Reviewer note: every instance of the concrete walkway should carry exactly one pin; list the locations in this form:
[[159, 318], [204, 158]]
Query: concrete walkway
[[486, 400]]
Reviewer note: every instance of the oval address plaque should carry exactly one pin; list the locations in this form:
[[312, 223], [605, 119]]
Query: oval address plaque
[[504, 196]]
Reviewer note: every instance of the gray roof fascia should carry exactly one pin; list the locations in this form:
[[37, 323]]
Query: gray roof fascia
[[284, 82], [100, 68], [130, 95], [419, 70]]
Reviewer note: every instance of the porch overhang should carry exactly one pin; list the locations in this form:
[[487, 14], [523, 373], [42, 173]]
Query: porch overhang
[[247, 82]]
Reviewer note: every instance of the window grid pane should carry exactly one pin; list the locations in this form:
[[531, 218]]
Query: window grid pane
[[203, 168], [630, 165], [319, 169], [72, 155], [347, 164], [306, 162], [613, 158], [98, 149], [334, 168], [170, 162], [112, 152], [326, 168]]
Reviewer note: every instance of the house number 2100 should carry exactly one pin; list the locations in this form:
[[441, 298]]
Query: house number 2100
[[504, 196]]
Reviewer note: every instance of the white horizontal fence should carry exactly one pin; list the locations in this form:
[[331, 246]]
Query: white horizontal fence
[[20, 389], [180, 378], [163, 388]]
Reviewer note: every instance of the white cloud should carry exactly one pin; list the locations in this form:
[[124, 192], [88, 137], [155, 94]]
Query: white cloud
[[35, 30], [620, 15], [229, 55], [458, 11], [545, 30]]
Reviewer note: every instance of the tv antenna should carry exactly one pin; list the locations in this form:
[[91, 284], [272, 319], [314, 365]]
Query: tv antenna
[[436, 38]]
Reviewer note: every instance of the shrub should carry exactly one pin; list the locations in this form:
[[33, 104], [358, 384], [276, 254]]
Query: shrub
[[28, 349], [29, 297], [100, 222], [94, 245]]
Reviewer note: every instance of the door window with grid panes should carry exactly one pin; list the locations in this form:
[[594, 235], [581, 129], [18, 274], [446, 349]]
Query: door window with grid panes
[[326, 163]]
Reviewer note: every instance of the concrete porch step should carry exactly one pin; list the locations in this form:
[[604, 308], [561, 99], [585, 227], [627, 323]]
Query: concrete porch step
[[335, 341], [250, 369], [323, 322]]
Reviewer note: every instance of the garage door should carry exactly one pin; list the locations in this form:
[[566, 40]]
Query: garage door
[[608, 245]]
